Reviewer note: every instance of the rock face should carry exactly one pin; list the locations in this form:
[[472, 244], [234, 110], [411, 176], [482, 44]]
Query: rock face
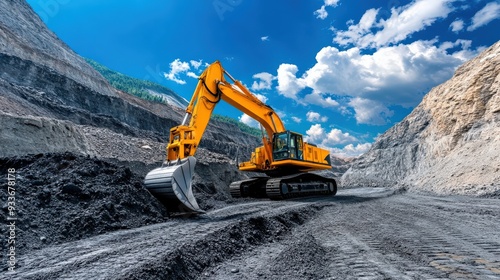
[[24, 35], [27, 135], [42, 81], [52, 101], [450, 143]]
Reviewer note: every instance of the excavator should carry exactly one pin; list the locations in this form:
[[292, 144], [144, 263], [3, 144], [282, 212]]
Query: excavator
[[284, 158]]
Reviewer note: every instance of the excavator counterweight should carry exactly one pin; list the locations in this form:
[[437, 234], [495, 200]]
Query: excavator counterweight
[[284, 157]]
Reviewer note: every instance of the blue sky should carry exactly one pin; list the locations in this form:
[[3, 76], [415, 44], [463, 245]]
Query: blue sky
[[340, 72]]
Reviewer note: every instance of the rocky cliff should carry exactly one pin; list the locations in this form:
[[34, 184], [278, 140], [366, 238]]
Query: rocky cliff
[[43, 82], [450, 143], [25, 36], [52, 101]]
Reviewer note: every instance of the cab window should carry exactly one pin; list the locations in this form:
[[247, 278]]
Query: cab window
[[281, 146], [281, 142]]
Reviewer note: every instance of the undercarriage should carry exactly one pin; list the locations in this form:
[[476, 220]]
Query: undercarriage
[[296, 185]]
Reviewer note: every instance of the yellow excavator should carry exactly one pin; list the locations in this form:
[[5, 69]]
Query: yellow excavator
[[284, 157]]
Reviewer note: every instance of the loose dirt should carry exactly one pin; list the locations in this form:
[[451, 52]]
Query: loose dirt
[[365, 233], [65, 197]]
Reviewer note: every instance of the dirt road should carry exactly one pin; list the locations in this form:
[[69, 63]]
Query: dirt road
[[367, 233]]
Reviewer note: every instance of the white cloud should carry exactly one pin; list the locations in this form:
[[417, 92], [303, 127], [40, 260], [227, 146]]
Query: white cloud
[[336, 136], [177, 67], [321, 13], [246, 119], [403, 22], [457, 25], [196, 64], [465, 53], [395, 75], [315, 117], [264, 38], [288, 84], [332, 3], [370, 111], [331, 140], [350, 151], [265, 81], [356, 32], [281, 114], [297, 120], [192, 75], [316, 134], [319, 99], [490, 12]]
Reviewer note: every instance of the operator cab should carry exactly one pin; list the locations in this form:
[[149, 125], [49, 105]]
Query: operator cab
[[287, 145]]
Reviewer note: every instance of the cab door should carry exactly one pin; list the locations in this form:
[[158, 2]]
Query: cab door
[[296, 146], [300, 147]]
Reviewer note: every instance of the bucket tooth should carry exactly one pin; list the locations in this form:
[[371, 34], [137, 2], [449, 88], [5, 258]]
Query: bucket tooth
[[171, 184]]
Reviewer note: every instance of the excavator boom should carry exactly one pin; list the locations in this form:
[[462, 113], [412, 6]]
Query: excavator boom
[[283, 153]]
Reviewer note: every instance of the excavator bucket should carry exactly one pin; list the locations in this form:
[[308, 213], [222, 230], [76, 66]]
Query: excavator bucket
[[171, 185]]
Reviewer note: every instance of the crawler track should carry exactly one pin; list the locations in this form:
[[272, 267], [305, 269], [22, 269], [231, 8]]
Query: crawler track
[[300, 185], [253, 187], [292, 186]]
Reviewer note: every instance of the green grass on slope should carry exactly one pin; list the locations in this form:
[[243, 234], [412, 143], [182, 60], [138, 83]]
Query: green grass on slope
[[133, 86], [138, 88]]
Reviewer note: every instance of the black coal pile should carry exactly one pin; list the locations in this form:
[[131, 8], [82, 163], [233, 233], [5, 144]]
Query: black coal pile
[[197, 260], [304, 257], [211, 184], [65, 197]]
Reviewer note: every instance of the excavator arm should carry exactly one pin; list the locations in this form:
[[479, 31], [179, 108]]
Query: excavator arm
[[282, 153], [213, 87]]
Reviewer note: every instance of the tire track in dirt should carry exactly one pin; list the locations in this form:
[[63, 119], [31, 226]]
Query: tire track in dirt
[[424, 238], [405, 236], [313, 250], [468, 239], [149, 252], [359, 234], [356, 254]]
